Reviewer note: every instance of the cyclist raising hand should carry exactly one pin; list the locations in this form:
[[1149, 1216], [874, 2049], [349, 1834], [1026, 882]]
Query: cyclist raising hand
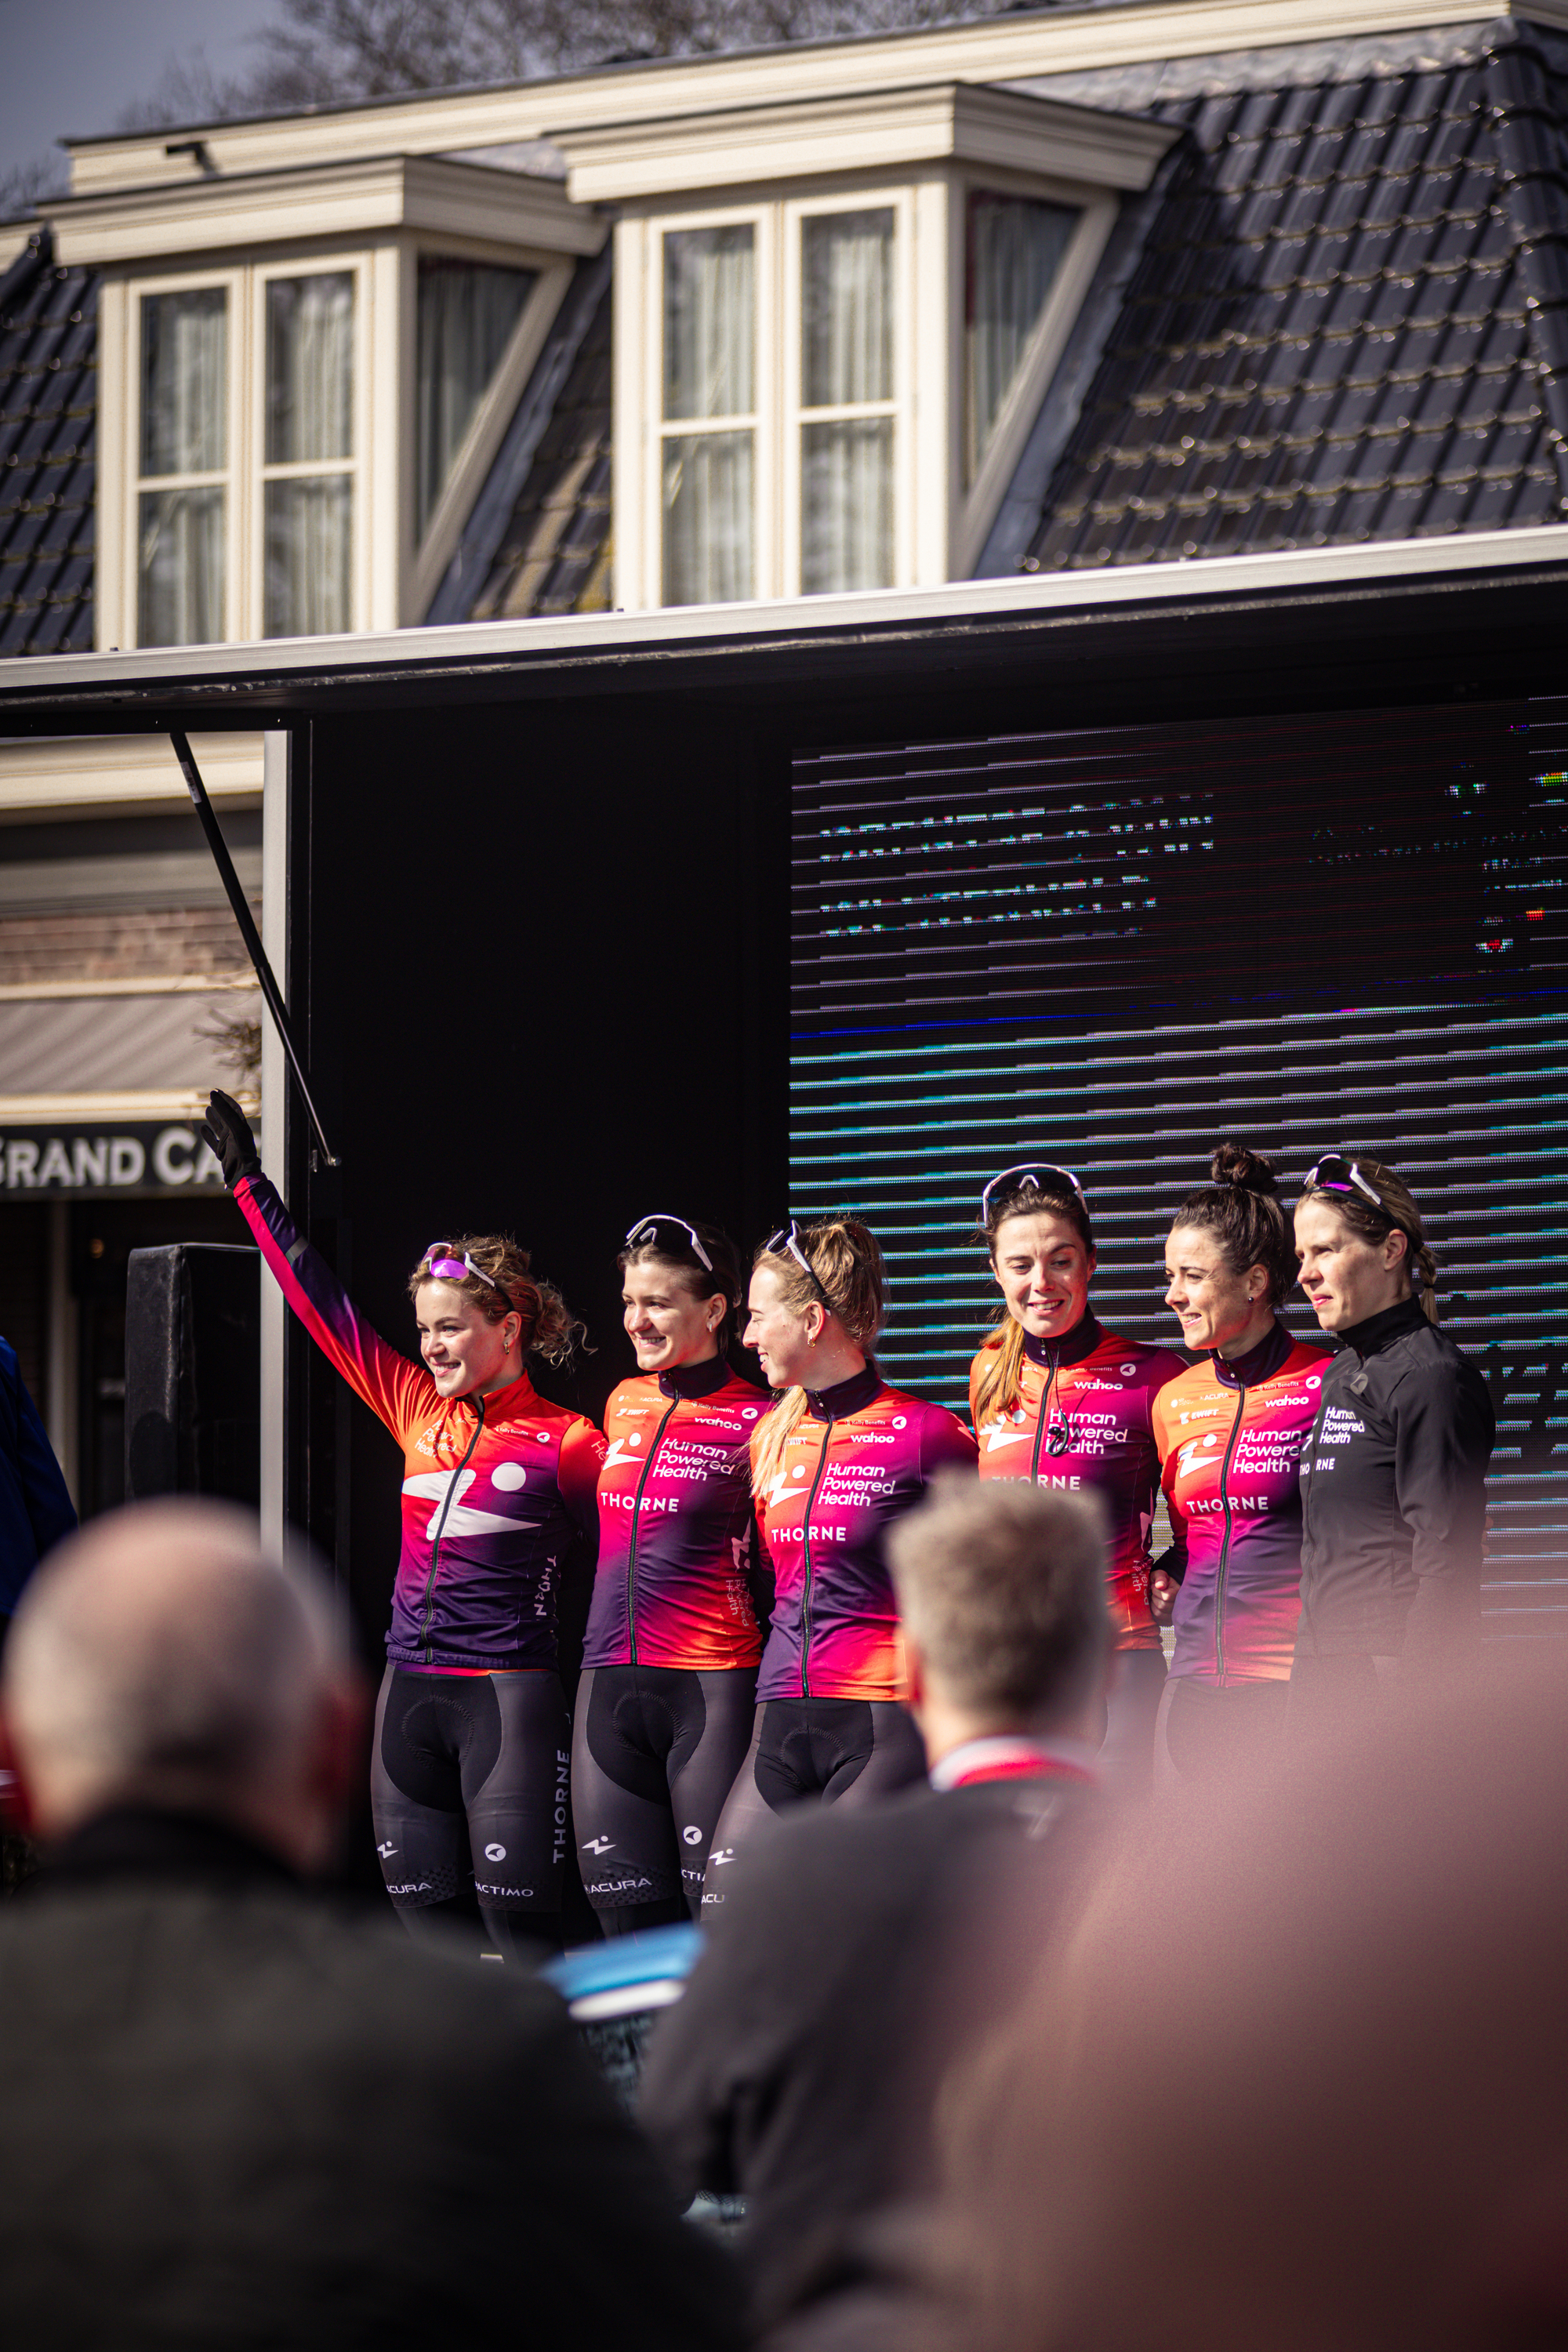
[[469, 1769]]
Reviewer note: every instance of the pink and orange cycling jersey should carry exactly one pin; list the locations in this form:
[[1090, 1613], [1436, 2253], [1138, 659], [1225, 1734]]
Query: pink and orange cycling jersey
[[858, 1457], [675, 1523], [1083, 1421], [494, 1487], [1229, 1441]]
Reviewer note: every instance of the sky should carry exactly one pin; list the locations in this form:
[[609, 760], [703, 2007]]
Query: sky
[[69, 67]]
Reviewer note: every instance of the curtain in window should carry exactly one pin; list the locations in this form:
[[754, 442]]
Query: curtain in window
[[847, 505], [709, 323], [308, 585], [846, 358], [180, 566], [467, 310], [185, 382], [1014, 249], [710, 370], [310, 368], [847, 307], [709, 501]]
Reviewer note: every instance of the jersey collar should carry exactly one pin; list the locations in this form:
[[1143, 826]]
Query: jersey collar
[[1070, 1348], [845, 1396], [694, 1380], [1259, 1363], [1378, 1330], [516, 1397]]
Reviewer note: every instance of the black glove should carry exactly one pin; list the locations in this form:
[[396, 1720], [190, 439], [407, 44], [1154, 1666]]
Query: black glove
[[226, 1131]]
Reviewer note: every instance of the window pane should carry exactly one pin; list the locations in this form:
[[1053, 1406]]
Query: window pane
[[467, 313], [847, 505], [179, 568], [185, 386], [847, 307], [310, 368], [1015, 246], [710, 333], [309, 587], [709, 510]]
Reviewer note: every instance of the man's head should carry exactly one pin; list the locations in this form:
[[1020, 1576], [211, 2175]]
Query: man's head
[[162, 1658], [1001, 1587]]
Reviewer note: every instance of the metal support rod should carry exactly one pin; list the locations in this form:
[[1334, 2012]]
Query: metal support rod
[[247, 930]]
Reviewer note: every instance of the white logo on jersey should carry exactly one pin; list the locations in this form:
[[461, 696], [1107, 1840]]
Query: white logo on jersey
[[597, 1845], [616, 1460], [1190, 1453], [998, 1433], [462, 1518]]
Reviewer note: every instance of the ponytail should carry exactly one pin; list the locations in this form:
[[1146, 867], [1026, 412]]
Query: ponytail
[[1241, 1207], [852, 1282]]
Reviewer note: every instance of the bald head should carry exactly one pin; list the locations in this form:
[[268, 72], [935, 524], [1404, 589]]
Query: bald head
[[161, 1657]]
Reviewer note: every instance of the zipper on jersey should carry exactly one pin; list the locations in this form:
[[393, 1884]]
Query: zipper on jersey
[[1045, 1414], [806, 1595], [632, 1554], [441, 1530], [1224, 1547]]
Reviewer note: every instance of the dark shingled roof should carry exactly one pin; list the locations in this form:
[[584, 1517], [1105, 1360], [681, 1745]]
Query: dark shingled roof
[[554, 553], [1349, 321], [48, 398]]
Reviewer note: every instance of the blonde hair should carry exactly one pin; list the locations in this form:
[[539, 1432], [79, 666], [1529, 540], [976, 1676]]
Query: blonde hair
[[1399, 1213], [844, 1255], [1001, 1379], [548, 1328]]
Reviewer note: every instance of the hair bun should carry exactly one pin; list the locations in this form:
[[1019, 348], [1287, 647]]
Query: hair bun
[[1248, 1171]]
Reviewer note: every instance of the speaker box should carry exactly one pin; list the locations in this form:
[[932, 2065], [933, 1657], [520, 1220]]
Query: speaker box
[[193, 1371]]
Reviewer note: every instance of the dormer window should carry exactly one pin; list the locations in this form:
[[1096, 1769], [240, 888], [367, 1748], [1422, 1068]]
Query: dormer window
[[183, 509], [832, 317], [308, 498], [468, 314]]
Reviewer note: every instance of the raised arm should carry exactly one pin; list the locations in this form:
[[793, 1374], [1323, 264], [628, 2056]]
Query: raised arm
[[396, 1391]]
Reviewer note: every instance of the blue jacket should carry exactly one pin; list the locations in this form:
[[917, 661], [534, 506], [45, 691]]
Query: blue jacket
[[35, 1509]]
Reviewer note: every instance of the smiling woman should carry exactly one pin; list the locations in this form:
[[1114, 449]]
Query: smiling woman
[[468, 1780], [664, 1708], [1058, 1400]]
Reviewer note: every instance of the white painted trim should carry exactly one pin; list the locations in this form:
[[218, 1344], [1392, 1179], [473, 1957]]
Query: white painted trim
[[974, 510], [184, 983], [483, 438], [114, 491], [433, 197], [62, 1417], [878, 130], [795, 621], [110, 775], [1004, 48], [276, 748], [109, 1110]]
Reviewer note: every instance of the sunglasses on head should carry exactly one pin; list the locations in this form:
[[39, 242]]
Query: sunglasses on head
[[1334, 1173], [440, 1262], [650, 1230], [785, 1243], [1017, 1179]]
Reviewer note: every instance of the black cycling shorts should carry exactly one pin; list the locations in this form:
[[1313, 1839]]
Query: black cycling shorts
[[830, 1751], [1219, 1732], [655, 1752], [470, 1789]]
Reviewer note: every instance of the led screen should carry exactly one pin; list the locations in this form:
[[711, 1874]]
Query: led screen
[[1116, 947]]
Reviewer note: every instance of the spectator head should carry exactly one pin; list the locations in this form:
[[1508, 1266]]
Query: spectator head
[[162, 1658], [1001, 1587]]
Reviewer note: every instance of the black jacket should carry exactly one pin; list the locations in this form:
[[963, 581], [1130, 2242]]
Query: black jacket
[[230, 2114], [1393, 1492], [844, 1973]]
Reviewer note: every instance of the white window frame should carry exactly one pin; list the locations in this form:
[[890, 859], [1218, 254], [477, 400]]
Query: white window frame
[[231, 476], [357, 467], [940, 523]]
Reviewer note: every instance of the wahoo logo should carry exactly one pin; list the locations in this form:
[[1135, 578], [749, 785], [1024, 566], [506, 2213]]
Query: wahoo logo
[[597, 1845]]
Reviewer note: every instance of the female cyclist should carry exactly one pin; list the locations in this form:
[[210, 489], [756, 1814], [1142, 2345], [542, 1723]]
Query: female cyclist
[[835, 1462], [468, 1772], [1230, 1432], [1058, 1399], [1393, 1484], [664, 1709]]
